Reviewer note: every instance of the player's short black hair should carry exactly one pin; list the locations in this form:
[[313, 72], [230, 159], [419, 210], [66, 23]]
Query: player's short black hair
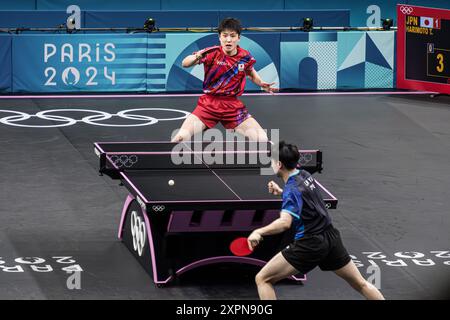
[[230, 24], [287, 154]]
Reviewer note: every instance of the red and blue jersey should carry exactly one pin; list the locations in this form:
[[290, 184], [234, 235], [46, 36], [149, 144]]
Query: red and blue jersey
[[225, 75]]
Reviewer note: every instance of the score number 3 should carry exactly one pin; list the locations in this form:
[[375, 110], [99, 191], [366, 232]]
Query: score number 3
[[440, 58]]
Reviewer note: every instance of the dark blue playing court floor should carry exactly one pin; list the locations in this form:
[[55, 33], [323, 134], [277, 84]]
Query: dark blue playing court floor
[[385, 157]]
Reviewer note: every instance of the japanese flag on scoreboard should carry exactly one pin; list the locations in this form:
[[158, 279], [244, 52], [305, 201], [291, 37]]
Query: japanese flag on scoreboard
[[426, 22]]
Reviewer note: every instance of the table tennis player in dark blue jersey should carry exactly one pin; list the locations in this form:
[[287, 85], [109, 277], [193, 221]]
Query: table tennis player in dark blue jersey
[[316, 241]]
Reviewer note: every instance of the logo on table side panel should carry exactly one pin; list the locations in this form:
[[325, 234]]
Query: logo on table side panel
[[305, 158], [138, 232], [158, 208], [123, 160], [96, 119]]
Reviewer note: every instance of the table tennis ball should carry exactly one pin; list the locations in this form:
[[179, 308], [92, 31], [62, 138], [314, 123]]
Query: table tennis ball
[[171, 182]]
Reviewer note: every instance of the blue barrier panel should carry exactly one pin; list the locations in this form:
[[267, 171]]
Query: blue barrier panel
[[157, 64], [73, 63], [256, 18], [17, 5], [100, 4], [164, 19], [295, 64], [222, 5], [365, 60], [363, 12], [5, 58], [267, 56], [152, 62], [331, 60], [179, 46], [260, 45], [177, 19], [33, 19]]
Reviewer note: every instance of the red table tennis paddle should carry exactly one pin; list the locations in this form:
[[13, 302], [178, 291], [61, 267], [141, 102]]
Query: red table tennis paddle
[[239, 247], [205, 51]]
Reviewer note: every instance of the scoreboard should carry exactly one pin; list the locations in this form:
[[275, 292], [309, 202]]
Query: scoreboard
[[423, 48]]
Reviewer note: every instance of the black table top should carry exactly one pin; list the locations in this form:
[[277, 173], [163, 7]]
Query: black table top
[[201, 184], [205, 185], [147, 167]]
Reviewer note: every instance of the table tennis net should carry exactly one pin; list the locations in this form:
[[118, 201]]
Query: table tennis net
[[201, 155]]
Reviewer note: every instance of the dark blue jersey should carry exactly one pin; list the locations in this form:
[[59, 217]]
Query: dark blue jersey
[[302, 200]]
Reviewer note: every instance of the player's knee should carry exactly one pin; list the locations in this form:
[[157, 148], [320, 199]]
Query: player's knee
[[262, 278]]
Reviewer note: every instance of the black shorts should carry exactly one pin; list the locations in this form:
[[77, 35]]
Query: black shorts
[[325, 250]]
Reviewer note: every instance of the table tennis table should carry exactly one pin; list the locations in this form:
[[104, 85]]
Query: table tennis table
[[219, 193]]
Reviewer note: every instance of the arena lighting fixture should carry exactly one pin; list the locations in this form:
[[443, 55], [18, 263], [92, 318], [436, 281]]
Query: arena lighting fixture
[[70, 25], [387, 23], [307, 24], [149, 25]]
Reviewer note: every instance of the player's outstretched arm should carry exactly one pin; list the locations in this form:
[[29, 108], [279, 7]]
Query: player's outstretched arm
[[279, 225], [191, 60], [196, 57], [256, 79]]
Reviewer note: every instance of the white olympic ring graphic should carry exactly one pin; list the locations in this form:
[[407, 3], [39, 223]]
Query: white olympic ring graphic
[[18, 116], [138, 232], [409, 255], [305, 158], [30, 260], [406, 10], [328, 205], [158, 208], [124, 160]]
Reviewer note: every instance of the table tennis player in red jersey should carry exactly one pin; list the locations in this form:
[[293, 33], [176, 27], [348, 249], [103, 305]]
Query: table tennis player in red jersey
[[226, 67]]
